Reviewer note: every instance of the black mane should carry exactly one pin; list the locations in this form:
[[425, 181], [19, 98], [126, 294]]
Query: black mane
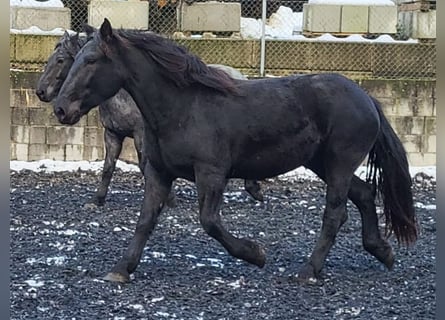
[[178, 64]]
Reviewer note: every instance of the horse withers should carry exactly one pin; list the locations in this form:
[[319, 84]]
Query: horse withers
[[206, 127], [119, 114]]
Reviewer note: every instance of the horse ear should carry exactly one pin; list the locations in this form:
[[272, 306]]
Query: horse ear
[[89, 30], [106, 31], [74, 40]]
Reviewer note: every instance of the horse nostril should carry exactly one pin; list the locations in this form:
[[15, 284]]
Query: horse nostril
[[60, 113], [40, 93]]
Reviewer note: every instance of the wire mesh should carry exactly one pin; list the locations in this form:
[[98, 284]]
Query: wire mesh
[[302, 36]]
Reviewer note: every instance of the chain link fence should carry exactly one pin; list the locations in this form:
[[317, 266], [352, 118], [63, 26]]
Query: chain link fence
[[375, 39]]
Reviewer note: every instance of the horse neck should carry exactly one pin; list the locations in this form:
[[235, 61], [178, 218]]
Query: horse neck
[[156, 96]]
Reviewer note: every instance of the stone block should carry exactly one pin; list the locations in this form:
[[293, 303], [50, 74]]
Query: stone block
[[321, 18], [93, 118], [210, 16], [21, 98], [408, 125], [12, 151], [94, 137], [34, 48], [19, 134], [412, 143], [354, 19], [21, 150], [56, 152], [430, 125], [421, 159], [40, 116], [128, 153], [425, 98], [73, 152], [37, 151], [21, 79], [299, 53], [382, 19], [11, 47], [19, 116], [91, 153], [424, 25], [232, 52], [342, 56], [65, 135], [125, 14], [429, 145], [37, 134], [45, 18]]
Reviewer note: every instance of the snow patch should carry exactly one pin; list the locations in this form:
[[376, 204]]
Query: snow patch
[[354, 2], [34, 283], [51, 166], [34, 3]]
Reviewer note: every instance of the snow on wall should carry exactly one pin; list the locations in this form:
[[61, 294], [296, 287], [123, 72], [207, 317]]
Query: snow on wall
[[355, 2], [34, 3]]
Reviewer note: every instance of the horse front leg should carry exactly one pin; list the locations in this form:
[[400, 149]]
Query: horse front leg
[[157, 188], [333, 218], [210, 186], [142, 160]]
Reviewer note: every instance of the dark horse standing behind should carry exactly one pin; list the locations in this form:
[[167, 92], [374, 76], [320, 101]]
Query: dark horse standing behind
[[206, 127], [119, 115]]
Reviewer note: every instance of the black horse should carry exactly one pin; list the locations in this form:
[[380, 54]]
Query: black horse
[[206, 127], [119, 115]]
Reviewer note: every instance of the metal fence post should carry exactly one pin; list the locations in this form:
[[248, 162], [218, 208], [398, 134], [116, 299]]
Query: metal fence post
[[263, 37]]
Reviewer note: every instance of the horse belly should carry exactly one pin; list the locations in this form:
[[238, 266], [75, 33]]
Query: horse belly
[[268, 162]]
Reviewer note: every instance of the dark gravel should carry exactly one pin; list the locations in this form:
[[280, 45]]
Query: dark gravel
[[60, 249]]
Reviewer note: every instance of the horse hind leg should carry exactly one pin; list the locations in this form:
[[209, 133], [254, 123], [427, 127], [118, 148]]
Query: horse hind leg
[[338, 182], [362, 195]]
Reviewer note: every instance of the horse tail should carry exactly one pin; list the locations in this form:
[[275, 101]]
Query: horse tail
[[389, 172]]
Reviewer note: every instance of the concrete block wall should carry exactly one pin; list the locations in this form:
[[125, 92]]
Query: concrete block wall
[[45, 18], [210, 16], [319, 18], [36, 134], [131, 14], [410, 107]]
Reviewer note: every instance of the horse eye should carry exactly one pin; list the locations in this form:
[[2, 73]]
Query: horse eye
[[90, 61], [60, 60]]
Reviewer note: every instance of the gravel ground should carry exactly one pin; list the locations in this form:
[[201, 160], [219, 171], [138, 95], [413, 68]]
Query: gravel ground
[[60, 249]]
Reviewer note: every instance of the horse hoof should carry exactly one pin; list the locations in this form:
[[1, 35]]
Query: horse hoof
[[97, 201], [260, 259], [305, 281], [306, 275], [389, 261], [90, 206], [258, 196], [116, 277]]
